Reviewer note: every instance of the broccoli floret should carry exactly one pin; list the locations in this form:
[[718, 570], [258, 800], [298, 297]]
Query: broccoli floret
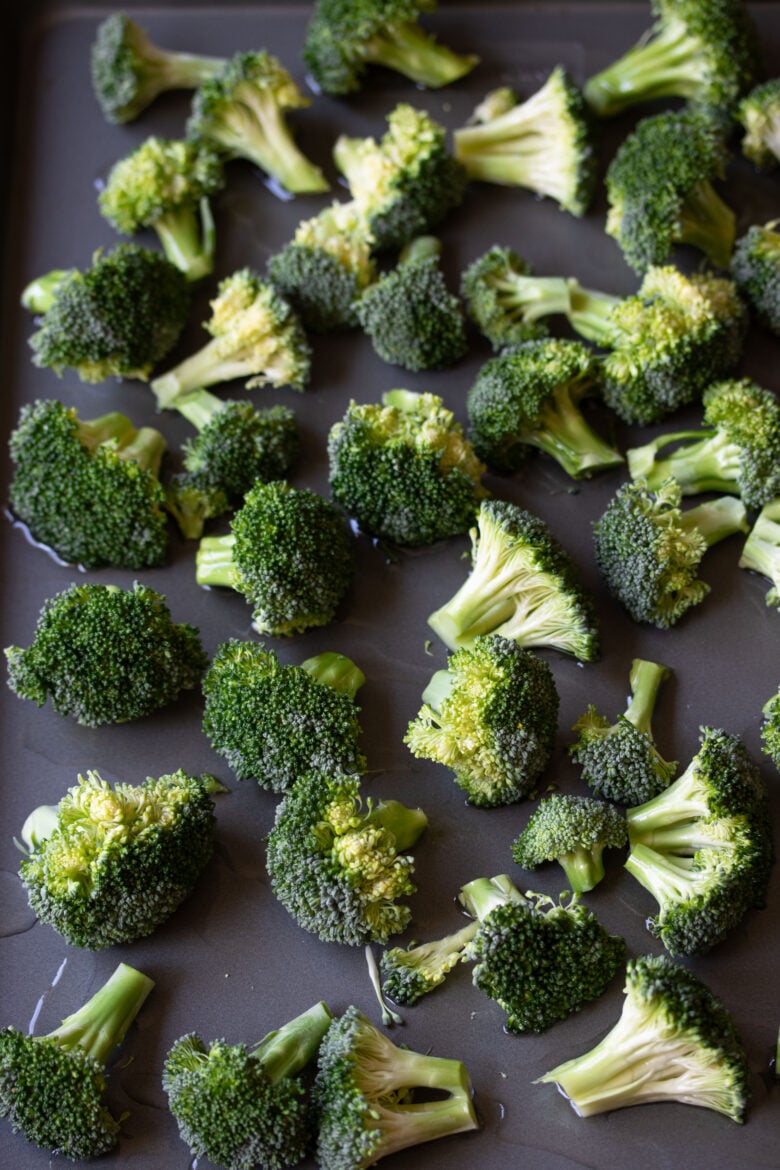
[[405, 184], [770, 728], [523, 585], [506, 301], [106, 655], [289, 552], [648, 550], [53, 1088], [761, 550], [241, 111], [255, 335], [337, 860], [236, 446], [116, 319], [89, 488], [404, 470], [364, 1096], [414, 971], [544, 144], [129, 72], [274, 722], [574, 831], [703, 847], [491, 717], [244, 1107], [529, 397], [759, 114], [409, 314], [619, 760], [166, 184], [755, 268], [737, 450], [345, 37], [660, 190], [674, 1041], [325, 267], [703, 50], [116, 862]]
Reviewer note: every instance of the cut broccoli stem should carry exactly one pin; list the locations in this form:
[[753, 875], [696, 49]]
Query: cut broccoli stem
[[530, 298], [214, 564], [101, 1023], [198, 406], [203, 368], [271, 147], [145, 446], [420, 248], [287, 1050], [335, 671], [669, 878], [188, 238], [589, 313], [41, 293], [717, 519], [708, 462], [709, 224], [563, 432], [405, 1125], [645, 680], [409, 50], [483, 895], [406, 824], [39, 826], [761, 551]]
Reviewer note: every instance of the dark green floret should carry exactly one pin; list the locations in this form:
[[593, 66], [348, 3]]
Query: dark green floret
[[619, 760], [337, 862], [523, 585], [116, 319], [106, 655], [404, 470], [759, 115], [491, 717], [574, 831], [366, 1096], [53, 1088], [648, 550], [761, 550], [129, 71], [755, 267], [703, 847], [411, 972], [289, 552], [346, 37], [245, 1107], [770, 728], [543, 144], [274, 722], [674, 1041], [506, 301], [117, 861], [241, 111]]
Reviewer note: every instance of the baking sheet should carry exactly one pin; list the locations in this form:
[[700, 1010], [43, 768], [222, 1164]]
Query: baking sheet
[[230, 962]]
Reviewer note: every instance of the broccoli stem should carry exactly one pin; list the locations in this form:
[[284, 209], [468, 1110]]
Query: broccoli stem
[[761, 551], [529, 298], [41, 293], [188, 237], [145, 446], [335, 671], [481, 896], [669, 878], [214, 564], [287, 1050], [206, 367], [175, 70], [590, 312], [405, 1124], [681, 803], [407, 49], [101, 1023], [716, 519], [406, 824], [198, 406], [420, 248], [39, 826], [661, 66], [562, 431], [583, 867], [709, 224], [708, 461], [255, 129], [645, 680]]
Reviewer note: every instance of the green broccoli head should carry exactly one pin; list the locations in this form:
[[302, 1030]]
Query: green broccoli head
[[506, 301], [755, 267], [106, 655], [574, 831], [412, 972], [759, 115], [404, 470], [761, 550]]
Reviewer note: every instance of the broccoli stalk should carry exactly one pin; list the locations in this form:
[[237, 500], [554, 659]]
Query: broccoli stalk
[[761, 550], [574, 831], [413, 971], [506, 301]]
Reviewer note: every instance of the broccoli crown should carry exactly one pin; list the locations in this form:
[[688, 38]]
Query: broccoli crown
[[404, 469], [120, 860], [274, 722], [492, 717], [192, 499], [412, 972], [523, 585], [770, 728], [406, 183], [660, 190], [106, 655], [364, 1096], [755, 267], [674, 1041], [574, 831], [117, 318], [344, 37], [337, 865], [88, 488], [544, 144], [506, 301], [759, 114]]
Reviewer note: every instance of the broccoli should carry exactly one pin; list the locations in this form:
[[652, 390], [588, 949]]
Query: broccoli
[[337, 860], [660, 190], [325, 267], [755, 268], [703, 847], [619, 760], [648, 550], [116, 862], [289, 552], [236, 445], [273, 722], [106, 655], [761, 550], [89, 488], [523, 585], [345, 37], [53, 1088], [737, 451], [365, 1096], [544, 144], [245, 1107], [255, 335], [703, 50], [770, 728], [491, 717], [409, 314], [414, 971], [129, 72], [506, 301], [404, 470], [674, 1041], [574, 831], [405, 184], [116, 319], [166, 184], [759, 115], [528, 396]]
